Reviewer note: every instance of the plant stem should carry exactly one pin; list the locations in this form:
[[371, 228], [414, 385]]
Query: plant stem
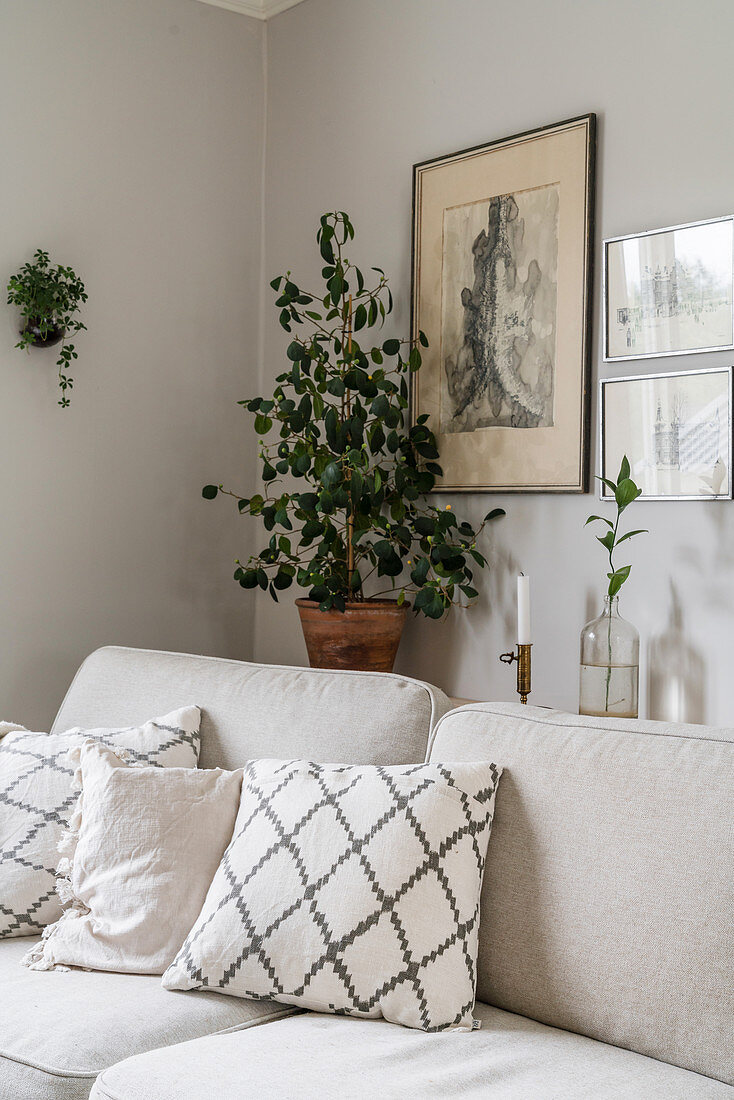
[[350, 518], [609, 624], [609, 666]]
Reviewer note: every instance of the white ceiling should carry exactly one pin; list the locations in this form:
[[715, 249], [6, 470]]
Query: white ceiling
[[259, 9]]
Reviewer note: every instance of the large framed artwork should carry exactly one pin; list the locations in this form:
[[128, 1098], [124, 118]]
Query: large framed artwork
[[676, 430], [670, 291], [502, 255]]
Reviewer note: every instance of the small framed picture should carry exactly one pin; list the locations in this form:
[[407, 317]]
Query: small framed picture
[[676, 430], [670, 291]]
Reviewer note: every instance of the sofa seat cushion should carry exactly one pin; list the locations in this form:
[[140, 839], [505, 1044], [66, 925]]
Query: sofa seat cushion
[[324, 1057], [58, 1030]]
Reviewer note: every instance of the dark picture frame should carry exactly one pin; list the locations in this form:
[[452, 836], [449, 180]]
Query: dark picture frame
[[507, 392]]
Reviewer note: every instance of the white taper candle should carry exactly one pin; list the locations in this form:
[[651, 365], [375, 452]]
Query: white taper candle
[[523, 610]]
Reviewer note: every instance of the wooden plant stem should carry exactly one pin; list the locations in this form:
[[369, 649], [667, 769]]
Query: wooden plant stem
[[350, 517]]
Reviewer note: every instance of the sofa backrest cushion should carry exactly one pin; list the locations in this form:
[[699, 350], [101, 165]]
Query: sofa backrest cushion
[[251, 710], [608, 892]]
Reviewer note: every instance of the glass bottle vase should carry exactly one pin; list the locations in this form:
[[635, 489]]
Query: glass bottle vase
[[610, 665]]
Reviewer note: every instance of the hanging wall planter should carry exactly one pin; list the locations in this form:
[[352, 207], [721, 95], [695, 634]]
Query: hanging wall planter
[[42, 336], [49, 297]]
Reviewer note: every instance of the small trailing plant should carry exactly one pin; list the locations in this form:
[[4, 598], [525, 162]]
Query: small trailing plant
[[49, 297], [625, 493], [352, 511]]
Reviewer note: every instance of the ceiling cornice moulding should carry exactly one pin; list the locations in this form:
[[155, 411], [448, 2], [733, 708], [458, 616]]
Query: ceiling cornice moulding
[[257, 9]]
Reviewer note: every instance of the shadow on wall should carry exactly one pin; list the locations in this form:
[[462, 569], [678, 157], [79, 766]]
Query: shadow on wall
[[676, 672]]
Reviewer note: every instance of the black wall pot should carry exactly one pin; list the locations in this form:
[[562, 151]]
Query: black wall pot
[[54, 334]]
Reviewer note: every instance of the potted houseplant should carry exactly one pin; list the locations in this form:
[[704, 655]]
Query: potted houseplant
[[49, 297], [345, 476]]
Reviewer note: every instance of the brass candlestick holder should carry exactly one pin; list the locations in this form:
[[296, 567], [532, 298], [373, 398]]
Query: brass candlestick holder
[[523, 669]]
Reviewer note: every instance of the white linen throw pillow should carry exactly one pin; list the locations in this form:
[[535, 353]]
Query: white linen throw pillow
[[37, 799], [137, 860], [349, 889]]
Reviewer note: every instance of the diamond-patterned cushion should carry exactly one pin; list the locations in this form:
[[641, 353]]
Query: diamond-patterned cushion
[[352, 890], [37, 798]]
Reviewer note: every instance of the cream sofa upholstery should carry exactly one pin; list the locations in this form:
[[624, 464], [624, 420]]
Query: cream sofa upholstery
[[58, 1030], [57, 1034], [316, 1057], [605, 965], [608, 898]]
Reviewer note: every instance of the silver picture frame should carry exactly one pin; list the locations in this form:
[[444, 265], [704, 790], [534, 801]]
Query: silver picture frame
[[666, 436], [659, 296]]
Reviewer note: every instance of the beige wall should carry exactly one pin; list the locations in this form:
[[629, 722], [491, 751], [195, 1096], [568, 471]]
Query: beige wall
[[132, 142], [131, 149], [358, 90]]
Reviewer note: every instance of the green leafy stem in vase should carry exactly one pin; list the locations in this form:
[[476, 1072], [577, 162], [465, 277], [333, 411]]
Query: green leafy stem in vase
[[625, 492], [346, 474]]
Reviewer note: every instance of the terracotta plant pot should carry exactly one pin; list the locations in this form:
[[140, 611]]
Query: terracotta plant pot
[[365, 637]]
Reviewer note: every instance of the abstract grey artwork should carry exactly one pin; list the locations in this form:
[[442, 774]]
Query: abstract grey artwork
[[499, 305], [502, 281]]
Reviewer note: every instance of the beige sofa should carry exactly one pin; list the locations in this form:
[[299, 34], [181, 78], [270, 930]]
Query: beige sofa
[[605, 965]]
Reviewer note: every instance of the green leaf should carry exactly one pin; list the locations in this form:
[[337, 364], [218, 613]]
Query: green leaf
[[327, 252], [423, 599], [624, 470], [419, 572], [611, 485], [377, 440], [331, 475], [494, 514], [631, 534], [607, 540], [603, 519], [625, 493], [330, 424], [209, 492], [391, 347], [312, 529], [617, 579]]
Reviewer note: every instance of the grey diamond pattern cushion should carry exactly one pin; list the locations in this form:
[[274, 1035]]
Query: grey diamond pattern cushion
[[38, 796], [352, 890]]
